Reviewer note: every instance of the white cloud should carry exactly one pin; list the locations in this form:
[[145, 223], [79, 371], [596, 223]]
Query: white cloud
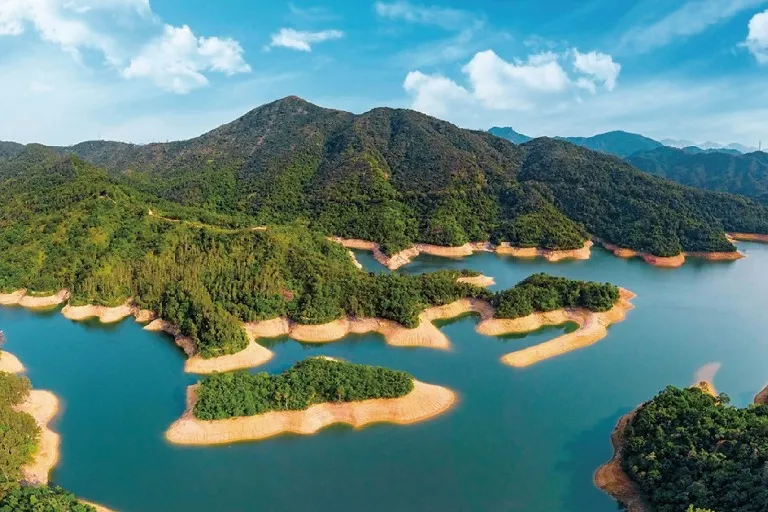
[[757, 39], [177, 60], [693, 17], [520, 85], [451, 19], [302, 41], [599, 66]]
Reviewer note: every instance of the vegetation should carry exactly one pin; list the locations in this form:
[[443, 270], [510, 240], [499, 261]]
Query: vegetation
[[541, 293], [398, 177], [70, 226], [312, 381], [735, 173], [19, 434], [42, 499], [686, 447], [617, 143]]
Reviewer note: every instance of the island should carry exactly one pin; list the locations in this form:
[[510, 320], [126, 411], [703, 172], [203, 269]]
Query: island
[[311, 395], [30, 447], [686, 447]]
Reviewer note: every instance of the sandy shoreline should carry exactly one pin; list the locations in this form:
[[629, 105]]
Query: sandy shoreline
[[749, 237], [424, 402], [21, 298], [592, 328], [405, 256], [671, 261], [9, 363], [762, 397], [480, 281]]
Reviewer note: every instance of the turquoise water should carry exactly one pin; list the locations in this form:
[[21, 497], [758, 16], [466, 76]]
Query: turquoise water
[[518, 440]]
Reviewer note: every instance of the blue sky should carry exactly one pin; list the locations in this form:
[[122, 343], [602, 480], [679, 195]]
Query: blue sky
[[156, 70]]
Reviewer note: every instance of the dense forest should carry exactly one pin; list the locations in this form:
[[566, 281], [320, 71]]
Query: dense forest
[[686, 447], [398, 177], [19, 438], [735, 173], [312, 381], [70, 226]]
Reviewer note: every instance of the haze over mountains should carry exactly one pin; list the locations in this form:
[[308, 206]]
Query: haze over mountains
[[399, 177]]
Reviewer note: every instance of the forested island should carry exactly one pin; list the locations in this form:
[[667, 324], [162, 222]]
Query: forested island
[[398, 178], [311, 395], [20, 440], [686, 446]]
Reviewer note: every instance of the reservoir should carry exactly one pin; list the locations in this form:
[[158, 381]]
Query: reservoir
[[523, 440]]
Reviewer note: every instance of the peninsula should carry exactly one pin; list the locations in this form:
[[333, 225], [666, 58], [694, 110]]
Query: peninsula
[[313, 394], [686, 439]]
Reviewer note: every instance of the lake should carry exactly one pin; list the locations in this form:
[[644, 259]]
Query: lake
[[518, 440]]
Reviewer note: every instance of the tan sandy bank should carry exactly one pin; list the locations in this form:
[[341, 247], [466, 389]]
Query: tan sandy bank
[[423, 403], [425, 335], [105, 315], [481, 281], [749, 237], [43, 407], [671, 261], [405, 256], [704, 378], [611, 478], [99, 508], [592, 328], [762, 397], [9, 363], [21, 298]]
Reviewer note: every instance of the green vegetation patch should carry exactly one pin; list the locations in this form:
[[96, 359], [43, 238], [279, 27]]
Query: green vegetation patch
[[686, 447], [19, 434], [42, 499], [312, 381]]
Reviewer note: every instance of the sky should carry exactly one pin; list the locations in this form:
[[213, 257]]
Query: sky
[[155, 70]]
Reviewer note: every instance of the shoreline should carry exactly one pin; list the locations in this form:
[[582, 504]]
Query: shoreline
[[593, 327], [21, 298], [671, 261], [762, 397], [749, 237], [406, 256], [424, 402], [611, 478]]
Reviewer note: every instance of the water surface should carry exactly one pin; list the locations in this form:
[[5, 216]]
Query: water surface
[[523, 440]]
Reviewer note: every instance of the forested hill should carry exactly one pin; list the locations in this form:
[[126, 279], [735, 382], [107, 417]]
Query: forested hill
[[739, 174], [618, 143], [398, 177]]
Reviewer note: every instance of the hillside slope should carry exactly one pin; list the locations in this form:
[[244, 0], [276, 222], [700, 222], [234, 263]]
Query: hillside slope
[[398, 177], [739, 174]]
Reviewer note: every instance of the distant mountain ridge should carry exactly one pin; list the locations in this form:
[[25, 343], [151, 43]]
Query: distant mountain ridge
[[399, 177]]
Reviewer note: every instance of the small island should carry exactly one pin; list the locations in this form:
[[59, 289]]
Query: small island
[[311, 395], [684, 448]]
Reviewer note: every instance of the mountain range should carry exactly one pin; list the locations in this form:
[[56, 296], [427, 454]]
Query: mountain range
[[398, 177]]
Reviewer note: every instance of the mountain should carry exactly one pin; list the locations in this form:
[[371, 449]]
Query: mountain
[[677, 143], [709, 146], [696, 150], [509, 134], [10, 149], [713, 170], [399, 177], [618, 143]]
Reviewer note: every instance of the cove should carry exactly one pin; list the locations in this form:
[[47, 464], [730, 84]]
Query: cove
[[519, 439]]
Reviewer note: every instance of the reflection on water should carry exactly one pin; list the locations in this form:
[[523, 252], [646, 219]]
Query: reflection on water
[[519, 439]]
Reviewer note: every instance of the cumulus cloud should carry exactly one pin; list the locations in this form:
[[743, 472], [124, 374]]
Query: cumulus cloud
[[520, 85], [600, 67], [177, 60], [302, 41], [757, 39]]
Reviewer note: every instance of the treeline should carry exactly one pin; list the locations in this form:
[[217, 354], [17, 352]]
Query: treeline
[[312, 381], [686, 447], [42, 499], [99, 240], [542, 293]]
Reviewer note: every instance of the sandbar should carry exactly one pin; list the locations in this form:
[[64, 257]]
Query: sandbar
[[43, 407], [749, 237], [592, 328], [21, 298], [480, 281], [671, 261], [424, 402], [405, 256]]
